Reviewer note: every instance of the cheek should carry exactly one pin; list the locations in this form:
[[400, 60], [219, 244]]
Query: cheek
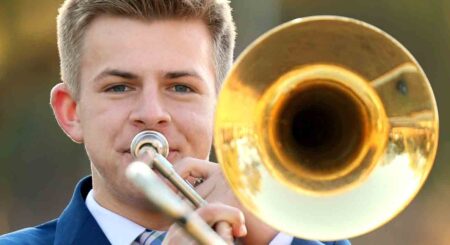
[[199, 131], [95, 130], [95, 120], [101, 122]]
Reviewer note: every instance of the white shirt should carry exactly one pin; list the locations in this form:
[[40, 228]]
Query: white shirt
[[119, 230], [122, 231]]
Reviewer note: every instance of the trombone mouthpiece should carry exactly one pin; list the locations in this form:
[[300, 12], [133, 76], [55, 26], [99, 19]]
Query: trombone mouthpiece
[[149, 139]]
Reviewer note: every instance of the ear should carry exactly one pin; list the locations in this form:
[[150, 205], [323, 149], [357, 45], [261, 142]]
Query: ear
[[65, 109]]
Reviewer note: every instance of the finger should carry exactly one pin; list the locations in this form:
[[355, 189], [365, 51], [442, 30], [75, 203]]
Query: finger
[[224, 230], [216, 188], [177, 235], [194, 171], [214, 213], [192, 168], [196, 168]]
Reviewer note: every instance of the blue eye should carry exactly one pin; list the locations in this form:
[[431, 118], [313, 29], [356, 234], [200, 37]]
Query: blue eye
[[118, 88], [179, 88]]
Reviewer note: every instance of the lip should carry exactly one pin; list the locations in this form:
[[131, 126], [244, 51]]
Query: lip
[[172, 153], [127, 158]]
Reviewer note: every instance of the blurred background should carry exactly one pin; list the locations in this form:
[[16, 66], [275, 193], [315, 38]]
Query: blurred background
[[39, 165]]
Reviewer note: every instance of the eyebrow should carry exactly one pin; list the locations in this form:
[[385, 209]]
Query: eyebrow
[[131, 76], [116, 73], [178, 74]]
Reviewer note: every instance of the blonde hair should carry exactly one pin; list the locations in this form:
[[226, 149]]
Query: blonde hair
[[76, 15]]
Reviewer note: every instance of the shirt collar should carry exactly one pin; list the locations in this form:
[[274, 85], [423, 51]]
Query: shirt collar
[[119, 230], [122, 231]]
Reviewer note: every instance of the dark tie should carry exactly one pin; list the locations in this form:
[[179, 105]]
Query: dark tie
[[149, 237]]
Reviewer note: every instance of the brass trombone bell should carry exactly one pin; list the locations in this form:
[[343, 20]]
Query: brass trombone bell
[[326, 127]]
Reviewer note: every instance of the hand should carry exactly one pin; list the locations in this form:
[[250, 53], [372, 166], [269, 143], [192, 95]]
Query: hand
[[215, 188], [212, 213]]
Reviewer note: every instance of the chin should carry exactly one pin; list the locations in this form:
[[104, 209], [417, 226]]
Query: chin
[[136, 198], [126, 159], [173, 156]]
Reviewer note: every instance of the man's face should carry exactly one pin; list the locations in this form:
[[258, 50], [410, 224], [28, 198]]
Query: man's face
[[144, 75]]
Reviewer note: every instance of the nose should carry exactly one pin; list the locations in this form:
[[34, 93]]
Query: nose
[[149, 111]]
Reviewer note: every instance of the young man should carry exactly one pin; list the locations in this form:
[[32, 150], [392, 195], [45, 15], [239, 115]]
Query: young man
[[134, 65]]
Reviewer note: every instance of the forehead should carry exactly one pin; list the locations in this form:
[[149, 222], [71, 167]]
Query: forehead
[[144, 46]]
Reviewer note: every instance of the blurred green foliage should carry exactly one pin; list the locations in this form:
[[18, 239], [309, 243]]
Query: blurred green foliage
[[39, 165]]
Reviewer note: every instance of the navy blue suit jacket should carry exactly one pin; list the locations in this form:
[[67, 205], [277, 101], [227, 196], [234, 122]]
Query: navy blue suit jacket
[[76, 225]]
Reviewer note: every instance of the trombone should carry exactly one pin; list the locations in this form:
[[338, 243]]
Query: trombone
[[151, 148], [338, 133]]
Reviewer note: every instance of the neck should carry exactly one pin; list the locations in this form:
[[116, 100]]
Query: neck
[[132, 206]]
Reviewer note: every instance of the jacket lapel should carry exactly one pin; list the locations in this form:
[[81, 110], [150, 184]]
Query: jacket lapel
[[76, 225]]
